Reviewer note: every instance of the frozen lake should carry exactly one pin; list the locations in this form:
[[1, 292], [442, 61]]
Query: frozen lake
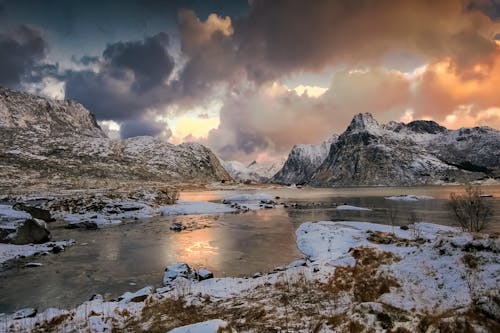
[[132, 255]]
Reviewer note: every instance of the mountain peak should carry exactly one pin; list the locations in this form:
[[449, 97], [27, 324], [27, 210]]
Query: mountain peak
[[29, 114], [426, 126], [363, 121]]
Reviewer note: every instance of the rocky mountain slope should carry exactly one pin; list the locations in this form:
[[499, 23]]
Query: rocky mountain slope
[[254, 172], [44, 140], [421, 152], [302, 162]]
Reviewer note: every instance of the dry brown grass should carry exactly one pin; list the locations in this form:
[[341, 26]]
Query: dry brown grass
[[458, 321], [52, 325], [363, 281]]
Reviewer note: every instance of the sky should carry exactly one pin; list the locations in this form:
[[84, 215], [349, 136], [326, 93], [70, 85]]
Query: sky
[[250, 79]]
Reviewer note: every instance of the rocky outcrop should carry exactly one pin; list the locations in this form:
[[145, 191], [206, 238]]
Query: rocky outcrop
[[421, 152], [45, 140], [19, 227], [302, 162]]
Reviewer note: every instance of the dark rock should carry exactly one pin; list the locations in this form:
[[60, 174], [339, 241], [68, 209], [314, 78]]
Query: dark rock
[[30, 231], [177, 227], [57, 249], [85, 224], [37, 213], [178, 270]]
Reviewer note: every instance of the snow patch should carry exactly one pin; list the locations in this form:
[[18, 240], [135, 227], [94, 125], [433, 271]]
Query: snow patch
[[349, 207], [210, 326], [409, 197]]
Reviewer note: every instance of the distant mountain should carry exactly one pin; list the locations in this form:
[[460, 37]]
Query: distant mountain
[[255, 172], [420, 152], [44, 139], [302, 162]]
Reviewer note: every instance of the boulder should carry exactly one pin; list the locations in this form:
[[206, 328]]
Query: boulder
[[138, 296], [205, 274], [177, 226], [178, 270], [31, 231]]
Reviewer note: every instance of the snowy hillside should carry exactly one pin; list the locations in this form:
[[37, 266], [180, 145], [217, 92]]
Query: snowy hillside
[[302, 162], [43, 139], [421, 152], [255, 172]]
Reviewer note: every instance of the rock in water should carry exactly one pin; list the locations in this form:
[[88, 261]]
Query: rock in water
[[178, 270], [177, 227]]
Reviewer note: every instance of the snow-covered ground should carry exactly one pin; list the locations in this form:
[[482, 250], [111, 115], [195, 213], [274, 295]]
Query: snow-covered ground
[[112, 213], [209, 326], [12, 251], [409, 197], [356, 274], [350, 207]]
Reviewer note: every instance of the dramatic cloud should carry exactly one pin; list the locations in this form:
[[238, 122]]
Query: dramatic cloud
[[130, 79], [275, 117], [210, 54], [403, 59], [21, 50], [284, 36], [139, 127]]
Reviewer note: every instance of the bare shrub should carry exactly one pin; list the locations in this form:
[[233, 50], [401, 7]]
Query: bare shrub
[[392, 215], [471, 210], [415, 229]]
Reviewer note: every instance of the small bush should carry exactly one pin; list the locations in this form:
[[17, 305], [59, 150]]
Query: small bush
[[471, 210]]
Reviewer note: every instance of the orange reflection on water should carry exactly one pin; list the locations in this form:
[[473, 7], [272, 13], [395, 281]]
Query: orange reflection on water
[[194, 247], [201, 196]]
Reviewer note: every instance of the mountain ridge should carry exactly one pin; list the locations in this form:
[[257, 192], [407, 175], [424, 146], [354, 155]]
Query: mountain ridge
[[418, 153], [44, 140]]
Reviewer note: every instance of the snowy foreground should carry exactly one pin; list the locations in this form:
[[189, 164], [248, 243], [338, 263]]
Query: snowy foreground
[[356, 277]]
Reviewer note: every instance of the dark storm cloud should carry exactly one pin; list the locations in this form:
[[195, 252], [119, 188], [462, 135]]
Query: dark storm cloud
[[131, 78], [282, 36], [489, 7], [148, 60], [85, 60], [140, 127], [21, 50]]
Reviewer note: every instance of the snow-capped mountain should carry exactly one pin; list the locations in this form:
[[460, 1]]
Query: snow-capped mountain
[[255, 172], [44, 139], [302, 162], [421, 152]]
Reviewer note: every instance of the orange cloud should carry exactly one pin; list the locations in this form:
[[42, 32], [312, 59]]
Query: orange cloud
[[445, 91]]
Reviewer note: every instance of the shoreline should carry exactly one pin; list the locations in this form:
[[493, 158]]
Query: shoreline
[[331, 248]]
